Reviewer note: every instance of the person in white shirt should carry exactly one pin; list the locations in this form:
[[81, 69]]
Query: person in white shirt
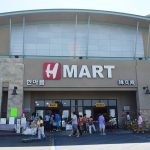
[[128, 117], [74, 124], [140, 123], [128, 121]]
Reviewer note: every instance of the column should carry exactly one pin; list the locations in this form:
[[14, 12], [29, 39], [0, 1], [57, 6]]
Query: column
[[15, 101], [1, 91]]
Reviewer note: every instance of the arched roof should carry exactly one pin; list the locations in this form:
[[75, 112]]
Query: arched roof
[[71, 14]]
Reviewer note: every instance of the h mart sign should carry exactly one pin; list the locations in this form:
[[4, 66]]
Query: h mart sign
[[53, 105], [100, 105], [53, 71]]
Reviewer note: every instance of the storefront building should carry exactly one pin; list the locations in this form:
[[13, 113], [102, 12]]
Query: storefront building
[[74, 60]]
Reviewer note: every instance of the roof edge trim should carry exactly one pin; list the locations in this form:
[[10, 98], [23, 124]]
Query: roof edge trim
[[24, 12]]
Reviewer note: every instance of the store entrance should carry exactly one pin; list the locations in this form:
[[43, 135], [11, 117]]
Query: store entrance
[[64, 107], [46, 114], [46, 111], [51, 111], [98, 111]]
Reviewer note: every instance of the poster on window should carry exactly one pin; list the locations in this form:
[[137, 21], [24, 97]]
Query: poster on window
[[65, 114], [11, 120], [3, 121], [88, 113], [112, 112], [80, 113]]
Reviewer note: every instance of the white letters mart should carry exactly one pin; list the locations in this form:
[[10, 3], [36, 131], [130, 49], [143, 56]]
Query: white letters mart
[[96, 71]]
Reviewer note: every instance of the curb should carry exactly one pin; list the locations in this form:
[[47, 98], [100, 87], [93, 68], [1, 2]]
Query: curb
[[9, 134]]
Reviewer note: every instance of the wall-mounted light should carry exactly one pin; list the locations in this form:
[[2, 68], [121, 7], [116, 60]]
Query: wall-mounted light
[[80, 57], [14, 91], [16, 56], [146, 89]]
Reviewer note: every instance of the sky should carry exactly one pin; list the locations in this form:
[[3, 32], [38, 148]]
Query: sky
[[137, 7]]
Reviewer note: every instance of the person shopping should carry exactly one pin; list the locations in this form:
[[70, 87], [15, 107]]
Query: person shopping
[[40, 124]]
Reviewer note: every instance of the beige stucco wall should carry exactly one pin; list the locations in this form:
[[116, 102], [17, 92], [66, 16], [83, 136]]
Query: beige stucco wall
[[1, 87], [124, 69], [4, 40], [144, 33], [143, 73], [12, 71]]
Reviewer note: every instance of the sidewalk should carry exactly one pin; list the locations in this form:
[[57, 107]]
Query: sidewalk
[[116, 131], [13, 133], [9, 133]]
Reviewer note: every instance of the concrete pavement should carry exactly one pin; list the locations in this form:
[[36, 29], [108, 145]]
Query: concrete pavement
[[61, 141]]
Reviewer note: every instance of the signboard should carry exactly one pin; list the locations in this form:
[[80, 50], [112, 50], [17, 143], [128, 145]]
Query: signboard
[[126, 82], [11, 120], [100, 105], [13, 112], [3, 121], [35, 82], [18, 126], [53, 105], [126, 108], [18, 121], [23, 121], [53, 70]]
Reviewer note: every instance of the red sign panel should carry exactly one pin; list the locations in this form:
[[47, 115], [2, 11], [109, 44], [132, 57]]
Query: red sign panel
[[52, 71]]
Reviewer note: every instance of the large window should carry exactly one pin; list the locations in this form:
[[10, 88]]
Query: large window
[[112, 103], [39, 103], [86, 102], [97, 40]]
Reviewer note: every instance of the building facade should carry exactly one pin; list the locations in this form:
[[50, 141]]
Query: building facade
[[75, 60]]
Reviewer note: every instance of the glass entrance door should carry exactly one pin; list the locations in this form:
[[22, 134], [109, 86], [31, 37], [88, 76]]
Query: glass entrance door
[[65, 116], [98, 111], [40, 113]]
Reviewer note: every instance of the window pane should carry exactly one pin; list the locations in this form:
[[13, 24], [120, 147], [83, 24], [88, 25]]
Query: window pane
[[94, 102], [72, 102], [102, 40], [48, 102], [104, 101], [80, 111], [72, 109], [66, 102], [79, 102], [39, 103], [87, 102], [112, 102], [56, 101]]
